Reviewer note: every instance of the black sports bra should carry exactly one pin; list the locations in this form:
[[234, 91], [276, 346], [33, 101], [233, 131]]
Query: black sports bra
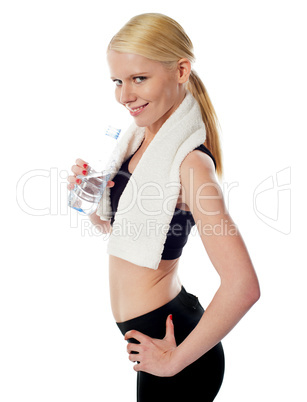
[[181, 223]]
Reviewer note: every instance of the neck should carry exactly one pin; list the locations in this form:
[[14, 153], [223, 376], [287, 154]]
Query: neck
[[149, 136]]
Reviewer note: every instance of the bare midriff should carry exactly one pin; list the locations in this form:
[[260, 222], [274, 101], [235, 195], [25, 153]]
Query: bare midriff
[[137, 290]]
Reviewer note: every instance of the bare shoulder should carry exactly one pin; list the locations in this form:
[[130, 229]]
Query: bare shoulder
[[200, 163], [198, 179]]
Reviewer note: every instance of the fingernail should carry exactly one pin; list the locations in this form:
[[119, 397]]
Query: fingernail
[[84, 172], [85, 165], [171, 317], [78, 181]]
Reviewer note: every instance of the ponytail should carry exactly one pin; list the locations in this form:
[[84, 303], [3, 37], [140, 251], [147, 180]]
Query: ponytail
[[198, 90]]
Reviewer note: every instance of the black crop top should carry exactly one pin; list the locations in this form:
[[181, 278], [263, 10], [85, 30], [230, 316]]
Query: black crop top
[[181, 223]]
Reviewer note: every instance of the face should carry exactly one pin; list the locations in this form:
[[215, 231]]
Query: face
[[149, 90]]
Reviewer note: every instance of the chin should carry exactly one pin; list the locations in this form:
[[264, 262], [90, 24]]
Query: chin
[[139, 124], [142, 122], [145, 122]]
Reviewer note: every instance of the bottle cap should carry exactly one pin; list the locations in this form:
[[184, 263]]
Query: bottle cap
[[113, 132]]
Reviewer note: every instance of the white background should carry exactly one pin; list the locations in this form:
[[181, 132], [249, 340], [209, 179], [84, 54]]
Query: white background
[[58, 340]]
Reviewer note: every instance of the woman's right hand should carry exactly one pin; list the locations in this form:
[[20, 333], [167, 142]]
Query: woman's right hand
[[80, 169]]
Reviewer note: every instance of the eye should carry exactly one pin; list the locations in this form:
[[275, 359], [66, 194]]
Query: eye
[[139, 80], [118, 83]]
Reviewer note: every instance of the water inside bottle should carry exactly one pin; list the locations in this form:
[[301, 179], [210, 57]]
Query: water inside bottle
[[86, 196]]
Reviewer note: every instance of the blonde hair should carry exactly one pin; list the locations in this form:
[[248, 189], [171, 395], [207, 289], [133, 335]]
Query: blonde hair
[[160, 38]]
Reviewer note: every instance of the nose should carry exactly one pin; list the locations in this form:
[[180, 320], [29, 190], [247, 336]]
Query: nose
[[126, 94]]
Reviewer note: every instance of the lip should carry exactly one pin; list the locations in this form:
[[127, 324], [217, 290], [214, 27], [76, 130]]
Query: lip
[[136, 110]]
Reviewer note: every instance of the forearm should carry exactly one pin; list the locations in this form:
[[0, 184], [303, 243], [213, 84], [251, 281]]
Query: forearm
[[227, 308]]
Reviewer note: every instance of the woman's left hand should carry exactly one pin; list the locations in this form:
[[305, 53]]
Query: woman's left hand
[[153, 356]]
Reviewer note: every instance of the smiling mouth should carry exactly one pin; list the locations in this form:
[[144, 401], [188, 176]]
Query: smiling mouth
[[136, 109]]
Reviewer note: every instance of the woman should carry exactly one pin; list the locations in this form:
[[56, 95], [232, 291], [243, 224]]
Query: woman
[[175, 345]]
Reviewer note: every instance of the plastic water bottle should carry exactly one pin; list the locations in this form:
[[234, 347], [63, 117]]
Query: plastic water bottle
[[85, 196]]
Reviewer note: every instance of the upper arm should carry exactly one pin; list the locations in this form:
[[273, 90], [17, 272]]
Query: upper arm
[[219, 234]]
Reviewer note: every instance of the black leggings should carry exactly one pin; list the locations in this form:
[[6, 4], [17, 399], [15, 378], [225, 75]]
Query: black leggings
[[201, 380]]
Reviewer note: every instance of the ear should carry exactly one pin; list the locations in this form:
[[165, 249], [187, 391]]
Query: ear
[[184, 70]]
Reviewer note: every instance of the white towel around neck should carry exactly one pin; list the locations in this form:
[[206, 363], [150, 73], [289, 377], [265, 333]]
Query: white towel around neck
[[148, 202]]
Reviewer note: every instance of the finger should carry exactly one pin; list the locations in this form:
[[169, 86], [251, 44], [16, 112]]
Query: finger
[[71, 186], [72, 180], [134, 358], [133, 348], [170, 333], [110, 183], [136, 335], [138, 367], [79, 171], [81, 163]]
